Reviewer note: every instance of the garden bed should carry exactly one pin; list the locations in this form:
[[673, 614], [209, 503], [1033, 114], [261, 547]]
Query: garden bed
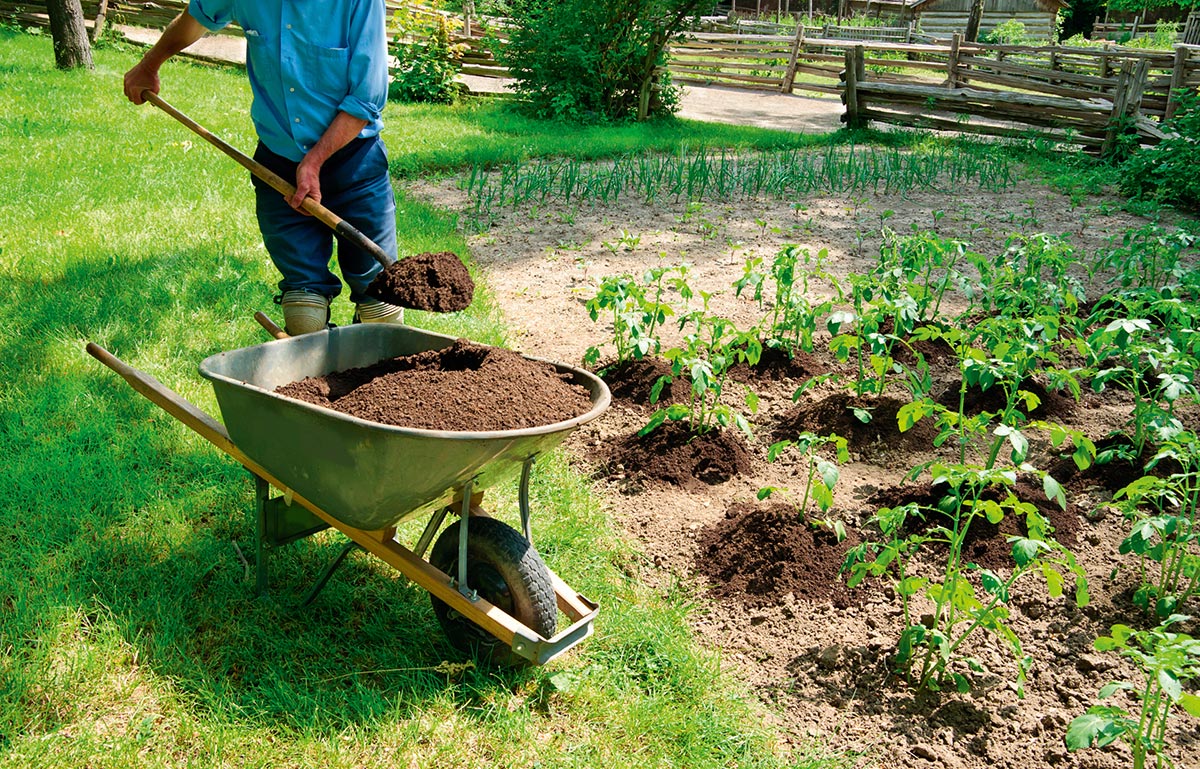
[[780, 616]]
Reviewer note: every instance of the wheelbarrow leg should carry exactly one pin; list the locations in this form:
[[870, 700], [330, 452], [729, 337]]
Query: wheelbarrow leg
[[329, 570]]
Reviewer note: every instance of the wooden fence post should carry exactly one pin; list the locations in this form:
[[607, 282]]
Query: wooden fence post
[[952, 64], [789, 79], [1178, 76], [98, 24], [850, 75], [1127, 102]]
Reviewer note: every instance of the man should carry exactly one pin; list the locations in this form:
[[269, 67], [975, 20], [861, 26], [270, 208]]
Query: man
[[318, 74]]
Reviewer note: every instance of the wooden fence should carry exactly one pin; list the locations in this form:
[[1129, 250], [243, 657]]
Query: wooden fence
[[1095, 119]]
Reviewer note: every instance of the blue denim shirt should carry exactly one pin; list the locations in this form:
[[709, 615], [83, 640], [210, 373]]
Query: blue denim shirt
[[307, 61]]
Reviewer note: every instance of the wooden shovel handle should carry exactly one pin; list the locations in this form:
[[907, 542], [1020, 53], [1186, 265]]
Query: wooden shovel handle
[[285, 188]]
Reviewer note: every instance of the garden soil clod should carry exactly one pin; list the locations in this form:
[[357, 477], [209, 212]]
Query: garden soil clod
[[464, 387], [433, 282]]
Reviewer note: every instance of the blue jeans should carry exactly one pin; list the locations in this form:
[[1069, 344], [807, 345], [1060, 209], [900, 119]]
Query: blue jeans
[[354, 185]]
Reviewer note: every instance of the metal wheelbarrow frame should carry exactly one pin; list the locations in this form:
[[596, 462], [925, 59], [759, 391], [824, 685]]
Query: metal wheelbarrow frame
[[449, 471]]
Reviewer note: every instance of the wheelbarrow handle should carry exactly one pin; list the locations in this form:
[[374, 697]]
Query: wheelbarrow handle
[[285, 188], [168, 400]]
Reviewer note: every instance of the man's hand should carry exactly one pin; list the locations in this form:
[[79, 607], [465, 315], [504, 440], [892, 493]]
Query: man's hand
[[179, 34], [141, 77], [308, 182], [308, 174]]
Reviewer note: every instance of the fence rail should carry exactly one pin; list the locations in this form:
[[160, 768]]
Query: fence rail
[[1095, 119]]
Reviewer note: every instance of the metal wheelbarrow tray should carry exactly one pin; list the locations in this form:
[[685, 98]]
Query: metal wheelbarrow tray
[[365, 478]]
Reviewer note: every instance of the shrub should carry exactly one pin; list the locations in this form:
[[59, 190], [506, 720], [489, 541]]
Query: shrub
[[1009, 32], [426, 61], [595, 60], [1167, 173]]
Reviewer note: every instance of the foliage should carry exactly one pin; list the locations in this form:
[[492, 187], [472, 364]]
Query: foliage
[[594, 60], [637, 310], [928, 648], [426, 61], [1167, 660], [705, 357], [793, 319], [1166, 173], [820, 475], [1165, 528], [1007, 32]]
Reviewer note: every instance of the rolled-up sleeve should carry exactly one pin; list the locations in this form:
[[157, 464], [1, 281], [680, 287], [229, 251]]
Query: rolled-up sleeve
[[368, 62], [212, 14]]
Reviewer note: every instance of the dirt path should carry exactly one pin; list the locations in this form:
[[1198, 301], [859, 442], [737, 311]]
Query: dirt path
[[784, 112]]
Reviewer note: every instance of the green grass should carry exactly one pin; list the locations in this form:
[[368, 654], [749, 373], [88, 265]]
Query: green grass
[[129, 635], [493, 132]]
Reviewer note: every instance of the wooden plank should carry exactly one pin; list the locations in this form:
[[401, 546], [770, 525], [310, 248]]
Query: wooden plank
[[921, 120], [1006, 67], [965, 95]]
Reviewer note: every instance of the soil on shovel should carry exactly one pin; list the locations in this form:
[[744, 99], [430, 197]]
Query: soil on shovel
[[431, 282], [464, 387]]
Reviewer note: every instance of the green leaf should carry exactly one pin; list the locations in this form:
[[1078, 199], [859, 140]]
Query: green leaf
[[765, 492], [829, 474], [1054, 491], [1025, 550], [862, 415], [1190, 703], [993, 584], [1170, 684], [1091, 729]]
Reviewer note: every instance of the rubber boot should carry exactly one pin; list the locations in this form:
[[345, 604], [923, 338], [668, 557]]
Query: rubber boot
[[375, 311], [304, 312]]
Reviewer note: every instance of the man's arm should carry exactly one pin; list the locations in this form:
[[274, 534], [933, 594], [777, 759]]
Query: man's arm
[[344, 128], [179, 34]]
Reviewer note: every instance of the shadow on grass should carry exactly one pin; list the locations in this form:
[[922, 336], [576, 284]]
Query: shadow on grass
[[112, 505]]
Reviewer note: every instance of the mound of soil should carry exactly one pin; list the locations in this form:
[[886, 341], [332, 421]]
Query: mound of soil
[[776, 365], [835, 414], [670, 455], [632, 381], [986, 543], [433, 282], [759, 555], [464, 387], [1053, 403]]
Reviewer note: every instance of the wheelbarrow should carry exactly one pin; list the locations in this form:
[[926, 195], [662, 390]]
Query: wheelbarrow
[[490, 590]]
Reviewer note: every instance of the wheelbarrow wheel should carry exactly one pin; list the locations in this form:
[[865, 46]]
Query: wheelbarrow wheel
[[507, 572]]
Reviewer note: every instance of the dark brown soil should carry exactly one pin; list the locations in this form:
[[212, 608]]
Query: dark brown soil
[[1052, 403], [464, 387], [760, 555], [986, 543], [776, 365], [835, 414], [633, 380], [671, 455], [433, 282]]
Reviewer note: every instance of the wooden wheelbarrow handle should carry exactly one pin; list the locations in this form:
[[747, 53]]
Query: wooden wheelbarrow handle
[[285, 188]]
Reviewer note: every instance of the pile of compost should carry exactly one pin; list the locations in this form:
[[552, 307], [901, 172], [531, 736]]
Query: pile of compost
[[464, 387]]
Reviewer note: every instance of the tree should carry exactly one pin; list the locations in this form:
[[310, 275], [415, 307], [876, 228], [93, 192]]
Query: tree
[[71, 48], [976, 16], [595, 59]]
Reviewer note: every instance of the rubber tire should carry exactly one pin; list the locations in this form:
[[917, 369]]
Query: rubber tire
[[508, 572]]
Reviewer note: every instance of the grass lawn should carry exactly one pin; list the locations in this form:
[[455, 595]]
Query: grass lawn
[[129, 634]]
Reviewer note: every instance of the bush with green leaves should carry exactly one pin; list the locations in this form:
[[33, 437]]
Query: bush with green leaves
[[1167, 172], [594, 60], [1167, 660], [1007, 32], [426, 61]]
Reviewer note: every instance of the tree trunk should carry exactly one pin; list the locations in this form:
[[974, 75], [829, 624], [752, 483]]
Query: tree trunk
[[971, 34], [71, 48]]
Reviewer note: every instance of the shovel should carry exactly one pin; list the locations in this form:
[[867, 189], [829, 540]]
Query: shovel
[[381, 287]]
